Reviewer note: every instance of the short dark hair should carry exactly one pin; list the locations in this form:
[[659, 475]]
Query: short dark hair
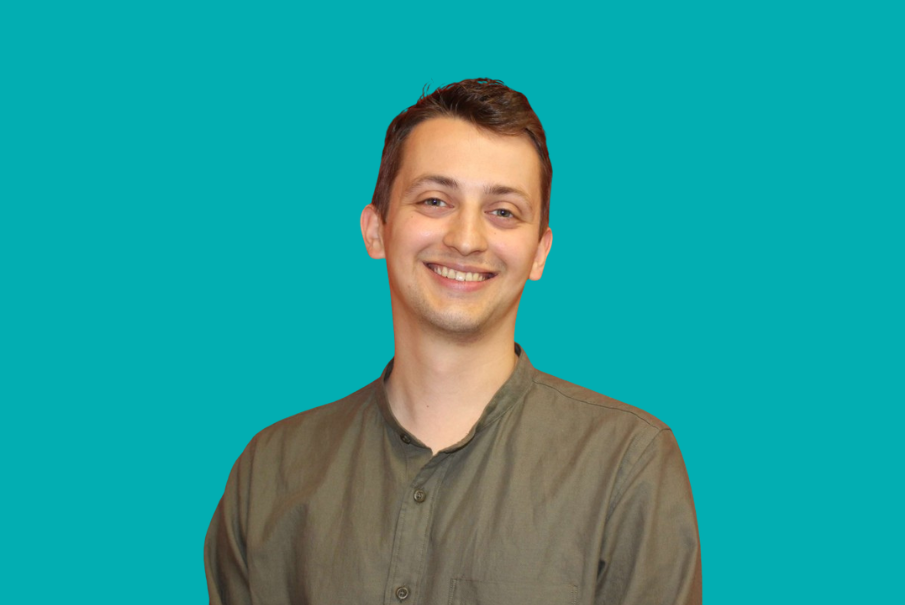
[[487, 104]]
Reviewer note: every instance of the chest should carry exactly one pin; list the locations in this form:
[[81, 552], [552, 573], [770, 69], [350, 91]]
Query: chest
[[475, 526]]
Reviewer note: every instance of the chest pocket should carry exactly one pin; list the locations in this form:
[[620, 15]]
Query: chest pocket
[[478, 592]]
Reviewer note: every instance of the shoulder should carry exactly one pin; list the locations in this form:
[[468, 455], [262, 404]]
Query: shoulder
[[621, 439], [314, 429], [589, 424], [565, 396]]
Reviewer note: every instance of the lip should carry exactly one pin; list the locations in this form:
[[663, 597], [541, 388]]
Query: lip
[[463, 268], [460, 286]]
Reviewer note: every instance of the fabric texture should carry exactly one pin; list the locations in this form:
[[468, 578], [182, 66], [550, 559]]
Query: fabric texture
[[556, 495]]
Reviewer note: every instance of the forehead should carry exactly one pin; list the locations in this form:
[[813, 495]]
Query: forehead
[[475, 157]]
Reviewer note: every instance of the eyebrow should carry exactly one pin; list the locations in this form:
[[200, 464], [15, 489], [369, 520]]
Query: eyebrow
[[450, 183], [436, 179]]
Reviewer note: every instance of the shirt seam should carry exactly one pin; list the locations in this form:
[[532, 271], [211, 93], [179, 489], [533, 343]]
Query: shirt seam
[[600, 405], [620, 490]]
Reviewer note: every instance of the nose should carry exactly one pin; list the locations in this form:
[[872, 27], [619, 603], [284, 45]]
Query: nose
[[466, 233]]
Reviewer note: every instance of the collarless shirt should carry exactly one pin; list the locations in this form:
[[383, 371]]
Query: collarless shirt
[[556, 495]]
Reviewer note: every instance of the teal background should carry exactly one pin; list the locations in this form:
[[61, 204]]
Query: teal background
[[181, 262]]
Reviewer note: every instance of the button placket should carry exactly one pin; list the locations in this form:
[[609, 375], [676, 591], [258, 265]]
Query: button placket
[[413, 531]]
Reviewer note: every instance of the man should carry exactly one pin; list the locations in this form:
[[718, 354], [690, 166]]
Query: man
[[462, 475]]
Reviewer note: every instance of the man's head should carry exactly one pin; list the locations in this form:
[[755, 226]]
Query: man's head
[[487, 104], [457, 212]]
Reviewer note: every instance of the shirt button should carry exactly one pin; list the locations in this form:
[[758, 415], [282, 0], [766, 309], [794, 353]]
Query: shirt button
[[405, 438], [402, 593], [420, 496]]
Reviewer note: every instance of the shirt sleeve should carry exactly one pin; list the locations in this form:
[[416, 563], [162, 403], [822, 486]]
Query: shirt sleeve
[[225, 561], [651, 551]]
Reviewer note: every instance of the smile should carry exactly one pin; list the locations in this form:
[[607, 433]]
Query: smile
[[459, 275]]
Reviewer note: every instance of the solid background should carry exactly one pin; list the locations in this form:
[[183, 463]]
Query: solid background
[[181, 262]]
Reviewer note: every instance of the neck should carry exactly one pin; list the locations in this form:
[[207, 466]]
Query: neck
[[439, 387]]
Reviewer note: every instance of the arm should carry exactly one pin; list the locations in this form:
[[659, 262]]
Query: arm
[[651, 552], [225, 562]]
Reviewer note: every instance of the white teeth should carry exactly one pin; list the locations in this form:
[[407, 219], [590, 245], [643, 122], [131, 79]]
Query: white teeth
[[458, 275]]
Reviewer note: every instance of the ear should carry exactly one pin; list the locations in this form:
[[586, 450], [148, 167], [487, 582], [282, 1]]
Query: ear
[[372, 231], [540, 257]]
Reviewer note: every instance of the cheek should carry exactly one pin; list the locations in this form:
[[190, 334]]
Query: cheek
[[418, 233], [518, 255], [411, 236]]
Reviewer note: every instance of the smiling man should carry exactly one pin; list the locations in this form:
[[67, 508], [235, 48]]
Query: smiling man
[[462, 475]]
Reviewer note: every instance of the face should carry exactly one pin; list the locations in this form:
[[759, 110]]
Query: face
[[461, 235]]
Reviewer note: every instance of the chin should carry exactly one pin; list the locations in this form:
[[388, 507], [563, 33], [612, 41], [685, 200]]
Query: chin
[[459, 326]]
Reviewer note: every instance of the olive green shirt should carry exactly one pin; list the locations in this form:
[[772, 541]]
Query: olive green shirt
[[556, 495]]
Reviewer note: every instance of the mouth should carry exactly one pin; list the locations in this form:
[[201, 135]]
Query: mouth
[[454, 275]]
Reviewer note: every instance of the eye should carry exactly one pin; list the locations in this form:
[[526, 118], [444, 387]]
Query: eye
[[502, 213], [434, 202]]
